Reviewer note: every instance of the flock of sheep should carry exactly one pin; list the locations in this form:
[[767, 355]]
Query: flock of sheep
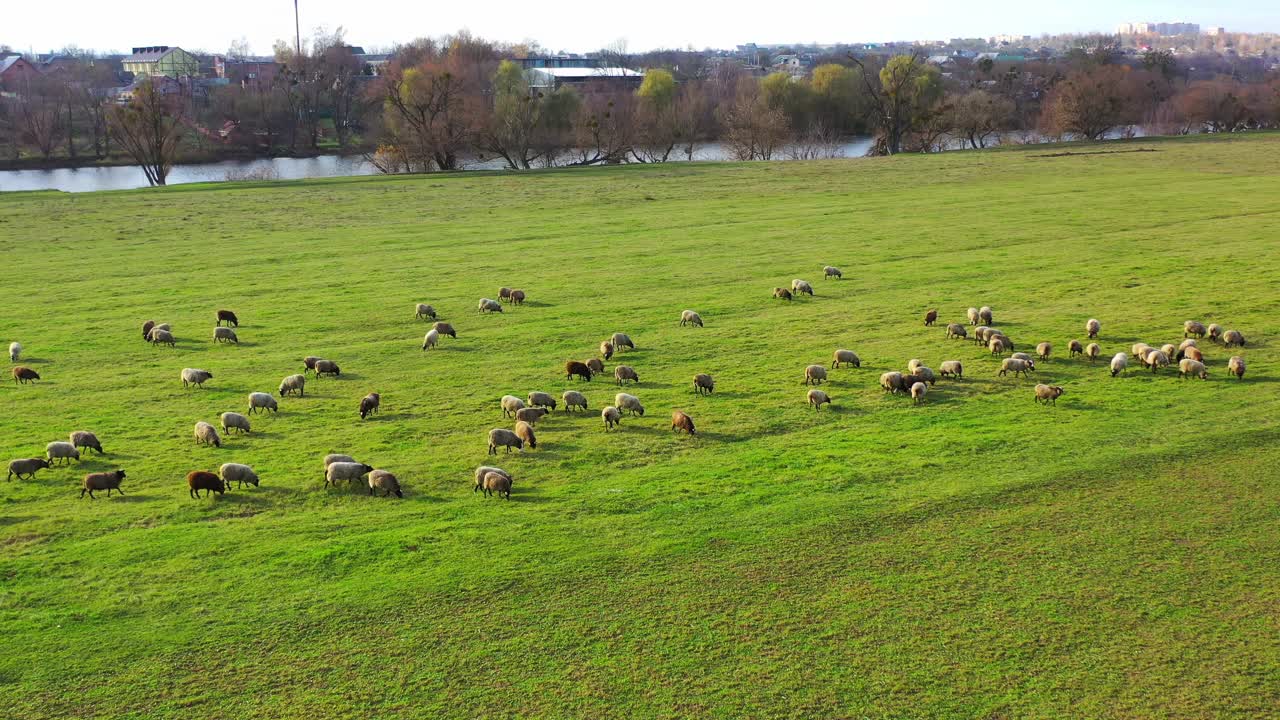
[[915, 382]]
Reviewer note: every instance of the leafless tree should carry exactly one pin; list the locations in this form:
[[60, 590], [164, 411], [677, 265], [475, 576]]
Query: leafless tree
[[752, 129], [149, 128]]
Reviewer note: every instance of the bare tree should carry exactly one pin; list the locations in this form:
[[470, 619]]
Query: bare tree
[[149, 128], [40, 104], [425, 118], [978, 115], [752, 129], [819, 141]]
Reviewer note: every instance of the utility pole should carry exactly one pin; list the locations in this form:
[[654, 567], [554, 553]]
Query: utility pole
[[297, 31]]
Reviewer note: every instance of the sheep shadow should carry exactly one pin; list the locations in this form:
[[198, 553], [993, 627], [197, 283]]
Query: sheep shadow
[[23, 360], [527, 494], [532, 303], [16, 519]]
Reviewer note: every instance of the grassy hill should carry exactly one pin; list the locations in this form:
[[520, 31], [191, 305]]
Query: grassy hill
[[976, 556]]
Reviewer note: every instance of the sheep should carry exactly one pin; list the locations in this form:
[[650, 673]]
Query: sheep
[[573, 367], [1191, 327], [445, 328], [386, 482], [531, 415], [951, 368], [1169, 349], [205, 434], [327, 367], [1188, 343], [332, 458], [847, 357], [25, 375], [198, 480], [972, 314], [85, 439], [225, 334], [1031, 364], [517, 297], [1074, 348], [488, 306], [61, 451], [1093, 327], [1014, 364], [423, 310], [930, 317], [228, 317], [194, 376], [485, 470], [981, 334], [892, 382], [370, 404], [146, 329], [912, 364], [800, 286], [15, 350], [309, 363], [918, 391], [622, 340], [611, 417], [814, 375], [628, 403], [497, 483], [830, 271], [162, 337], [1048, 394], [524, 431], [816, 398], [690, 317], [704, 384], [984, 314], [501, 437], [681, 421], [27, 466], [998, 344], [292, 384], [1140, 350], [956, 331], [262, 400], [926, 374], [1044, 349], [782, 293], [504, 294], [234, 421], [342, 470], [606, 349], [1235, 366], [1193, 368], [510, 405], [1093, 351], [1232, 337], [1119, 364], [102, 481], [573, 399], [1214, 332], [239, 474], [1191, 352], [431, 340], [625, 373], [1155, 360]]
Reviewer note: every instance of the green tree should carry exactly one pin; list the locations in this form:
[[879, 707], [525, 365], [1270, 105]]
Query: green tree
[[526, 125], [906, 101], [658, 88], [838, 99]]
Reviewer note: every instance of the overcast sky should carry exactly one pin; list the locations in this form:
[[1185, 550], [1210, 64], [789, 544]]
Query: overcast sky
[[577, 26]]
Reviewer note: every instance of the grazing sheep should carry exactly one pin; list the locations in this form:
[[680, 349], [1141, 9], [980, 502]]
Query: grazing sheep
[[262, 400], [1023, 356], [998, 345], [386, 482], [206, 434], [703, 384], [846, 357], [102, 481], [198, 480], [1048, 394], [1140, 350], [488, 306], [1074, 348], [1188, 343], [234, 421], [893, 382], [611, 417], [61, 451], [27, 466], [1193, 368], [332, 458], [501, 437], [431, 340], [1215, 332], [1093, 351], [926, 375], [1191, 327], [228, 317], [918, 391], [782, 293], [816, 398], [596, 365], [832, 272], [625, 373], [193, 376], [1169, 349], [485, 470], [531, 414], [573, 367], [504, 294], [681, 421], [423, 310], [984, 315], [162, 337], [511, 404], [982, 334], [524, 431], [146, 329], [370, 405], [1155, 360], [1232, 337], [628, 403], [517, 297], [690, 317], [606, 349], [1044, 349], [1093, 327], [1015, 365], [1119, 364], [445, 328], [972, 314], [951, 368], [327, 367], [239, 474], [912, 364], [85, 439], [496, 483], [541, 399], [309, 363], [930, 317], [294, 384], [574, 399], [622, 340], [956, 330], [814, 375], [15, 351], [1191, 352], [1235, 366], [342, 470], [801, 286], [225, 334]]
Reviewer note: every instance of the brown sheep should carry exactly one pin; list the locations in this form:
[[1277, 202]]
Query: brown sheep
[[623, 374], [497, 483], [573, 367], [984, 315], [517, 297], [445, 328], [1235, 366], [1215, 332], [1093, 327], [25, 374], [1232, 337], [596, 365], [102, 481], [606, 349], [504, 294], [198, 480], [228, 317], [370, 404], [1048, 394], [1192, 368], [1192, 328], [893, 382], [681, 421], [1074, 348], [524, 431], [611, 417], [814, 375], [703, 384], [327, 367], [930, 317], [309, 363], [782, 293], [1193, 353], [956, 330], [146, 329], [1043, 350], [1093, 351], [530, 415]]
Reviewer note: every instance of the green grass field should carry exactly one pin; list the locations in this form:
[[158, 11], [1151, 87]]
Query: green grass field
[[976, 556]]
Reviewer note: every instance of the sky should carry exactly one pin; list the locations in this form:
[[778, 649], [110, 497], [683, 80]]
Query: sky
[[575, 26]]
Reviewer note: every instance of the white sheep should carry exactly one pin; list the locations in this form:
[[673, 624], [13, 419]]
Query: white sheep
[[487, 305], [918, 391], [423, 310], [622, 374], [912, 364], [205, 434], [691, 318], [510, 404], [61, 451], [193, 376], [501, 437], [1093, 327], [431, 340], [1119, 364], [972, 314], [386, 482], [238, 474], [951, 368], [161, 337], [332, 458], [628, 403], [816, 398], [1193, 368], [342, 470], [234, 420], [15, 351], [622, 340], [262, 400], [541, 399], [1015, 365], [800, 286], [1093, 351], [610, 416], [293, 383], [814, 375], [225, 334], [832, 272], [846, 357], [574, 399]]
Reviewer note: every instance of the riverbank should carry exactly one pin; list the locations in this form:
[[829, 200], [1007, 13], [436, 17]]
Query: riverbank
[[195, 157]]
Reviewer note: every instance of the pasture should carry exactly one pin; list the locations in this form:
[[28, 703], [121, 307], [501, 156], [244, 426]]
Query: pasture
[[979, 555]]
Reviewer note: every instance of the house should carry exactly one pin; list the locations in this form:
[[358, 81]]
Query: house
[[258, 72], [164, 85], [161, 61], [557, 77], [374, 63], [15, 72]]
